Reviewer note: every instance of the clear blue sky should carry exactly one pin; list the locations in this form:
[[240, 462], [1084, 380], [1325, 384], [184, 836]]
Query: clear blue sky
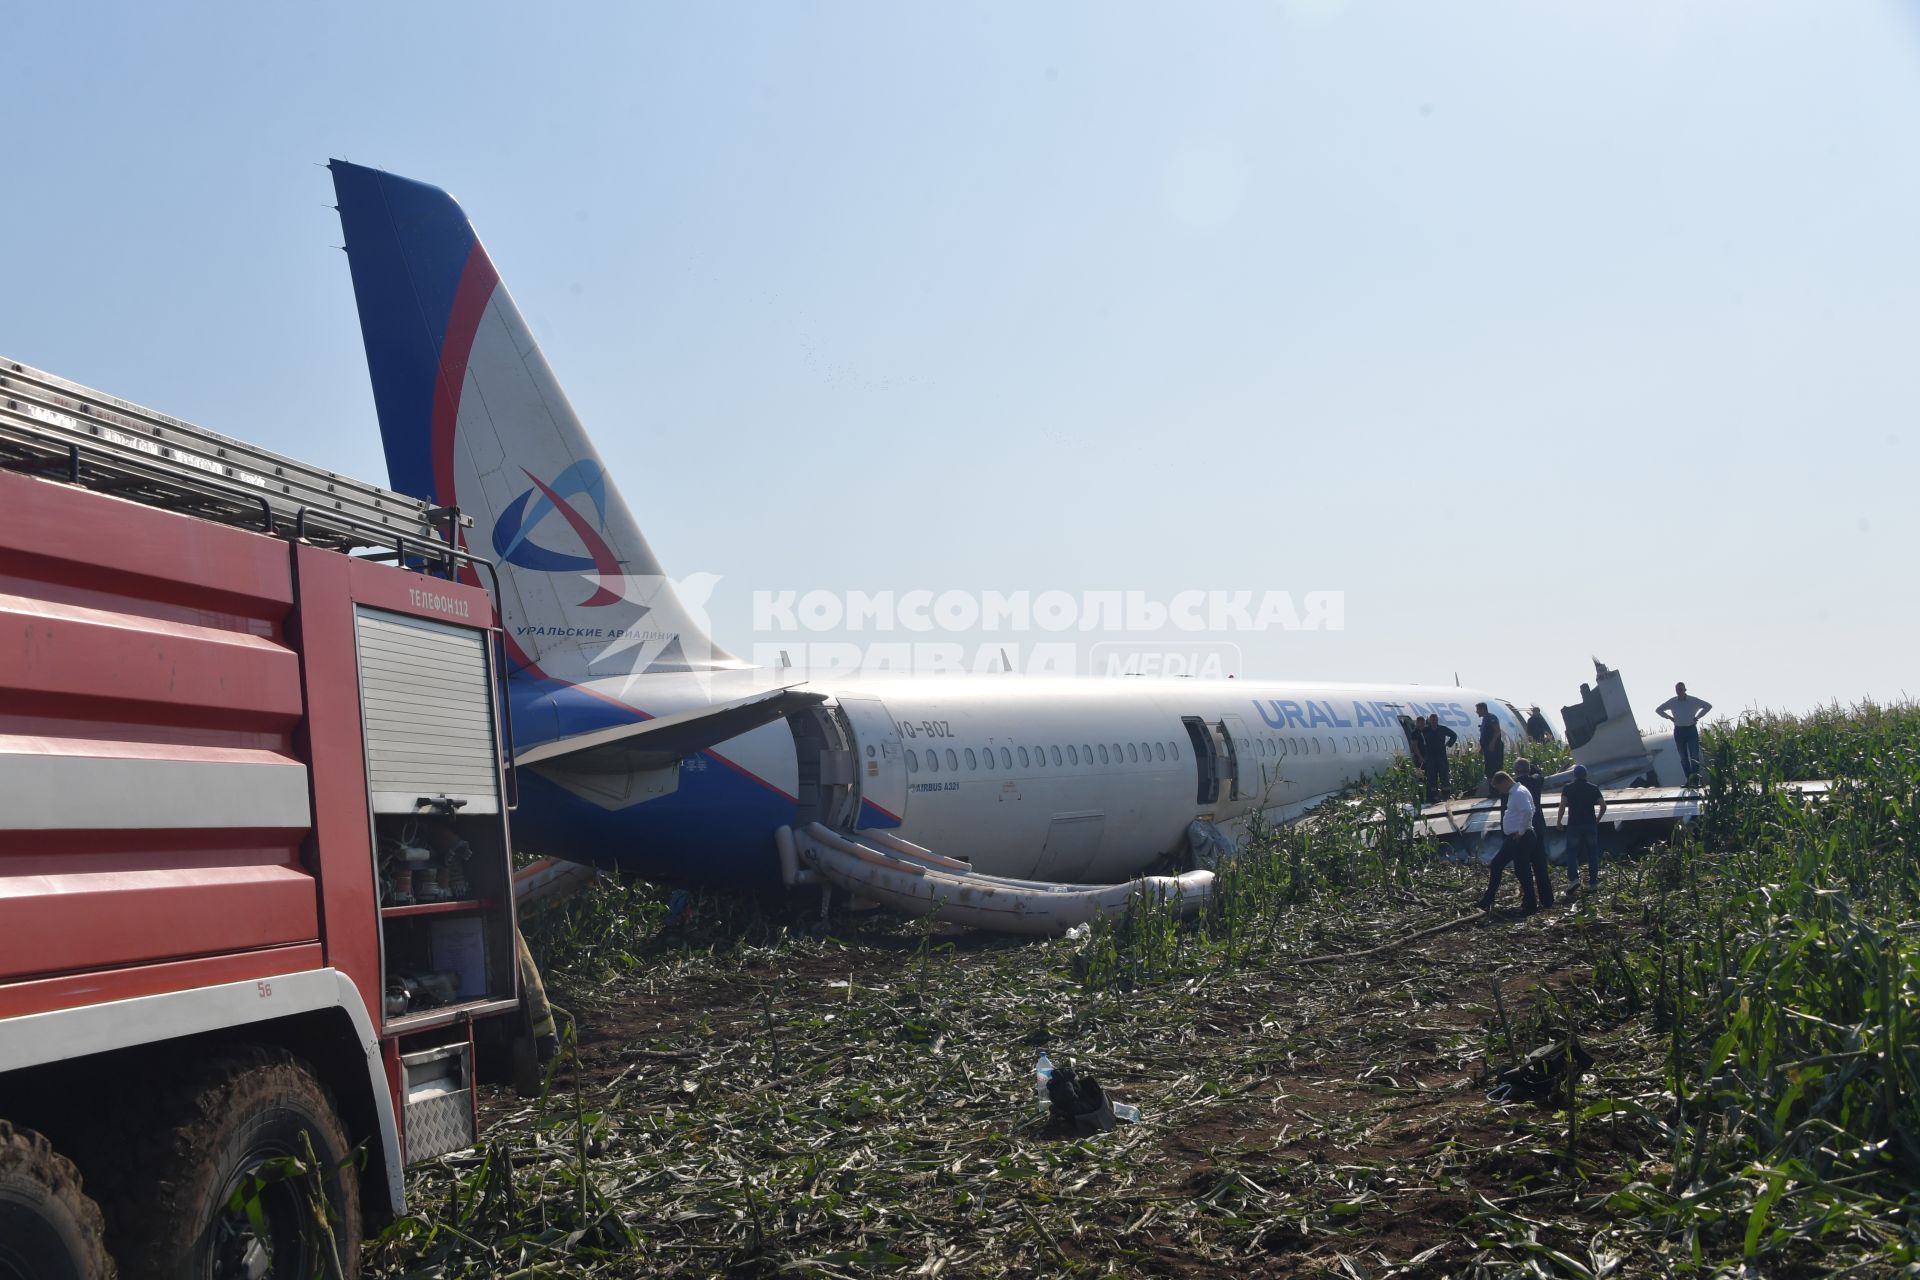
[[1540, 330]]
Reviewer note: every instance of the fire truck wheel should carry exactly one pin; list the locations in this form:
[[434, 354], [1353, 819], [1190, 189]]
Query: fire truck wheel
[[213, 1189], [49, 1229]]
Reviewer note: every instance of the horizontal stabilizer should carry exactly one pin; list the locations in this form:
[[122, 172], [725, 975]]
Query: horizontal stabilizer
[[652, 743]]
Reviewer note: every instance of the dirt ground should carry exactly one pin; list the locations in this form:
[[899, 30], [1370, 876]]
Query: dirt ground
[[1326, 1117]]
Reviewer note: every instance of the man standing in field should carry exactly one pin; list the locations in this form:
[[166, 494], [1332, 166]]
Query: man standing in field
[[1520, 848], [1581, 818], [1686, 713], [1493, 741], [1435, 738], [1529, 776]]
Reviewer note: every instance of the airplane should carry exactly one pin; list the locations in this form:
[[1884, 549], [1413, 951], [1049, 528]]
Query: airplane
[[641, 743]]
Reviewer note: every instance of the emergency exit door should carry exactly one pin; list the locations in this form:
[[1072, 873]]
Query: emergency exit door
[[1213, 760], [879, 762], [1239, 756]]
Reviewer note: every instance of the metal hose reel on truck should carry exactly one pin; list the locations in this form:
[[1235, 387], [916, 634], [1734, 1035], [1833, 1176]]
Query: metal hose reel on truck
[[255, 881]]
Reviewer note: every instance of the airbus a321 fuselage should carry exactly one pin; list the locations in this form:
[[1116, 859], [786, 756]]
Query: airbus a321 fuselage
[[643, 744]]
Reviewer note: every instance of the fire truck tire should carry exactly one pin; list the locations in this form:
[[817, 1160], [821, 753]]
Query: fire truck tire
[[171, 1212], [49, 1229]]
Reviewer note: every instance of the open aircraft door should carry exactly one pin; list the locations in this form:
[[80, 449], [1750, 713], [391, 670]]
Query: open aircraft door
[[1214, 759], [1239, 756], [879, 762]]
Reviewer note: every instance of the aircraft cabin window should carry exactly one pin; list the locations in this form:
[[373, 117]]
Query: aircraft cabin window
[[972, 763], [1103, 753], [1006, 758], [1073, 754], [1023, 759], [1175, 748], [1160, 750], [870, 751], [953, 761], [913, 762], [1057, 761], [933, 760], [1118, 755], [1039, 757], [1133, 756], [1086, 752], [986, 758], [1146, 753]]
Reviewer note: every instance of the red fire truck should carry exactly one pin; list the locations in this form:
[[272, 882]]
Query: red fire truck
[[255, 880]]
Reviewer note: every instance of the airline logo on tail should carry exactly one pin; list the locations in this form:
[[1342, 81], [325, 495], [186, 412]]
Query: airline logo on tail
[[457, 377], [513, 533]]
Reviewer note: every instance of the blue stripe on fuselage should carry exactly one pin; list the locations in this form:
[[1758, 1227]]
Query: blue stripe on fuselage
[[545, 709], [716, 829], [873, 817]]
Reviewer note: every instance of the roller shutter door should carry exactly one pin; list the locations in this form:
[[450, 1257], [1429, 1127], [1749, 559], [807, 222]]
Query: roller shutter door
[[425, 695]]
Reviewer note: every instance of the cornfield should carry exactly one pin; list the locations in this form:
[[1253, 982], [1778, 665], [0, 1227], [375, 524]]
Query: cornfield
[[751, 1092]]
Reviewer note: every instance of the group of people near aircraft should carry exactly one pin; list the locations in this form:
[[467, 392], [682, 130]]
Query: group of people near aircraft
[[1582, 805]]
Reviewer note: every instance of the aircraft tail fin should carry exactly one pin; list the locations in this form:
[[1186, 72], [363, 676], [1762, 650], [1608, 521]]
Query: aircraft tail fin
[[472, 417], [1605, 737]]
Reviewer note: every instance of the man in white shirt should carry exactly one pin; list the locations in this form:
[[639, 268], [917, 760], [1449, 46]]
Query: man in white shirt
[[1686, 713], [1520, 847]]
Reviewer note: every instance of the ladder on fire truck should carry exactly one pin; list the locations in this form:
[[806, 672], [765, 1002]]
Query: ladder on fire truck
[[54, 427]]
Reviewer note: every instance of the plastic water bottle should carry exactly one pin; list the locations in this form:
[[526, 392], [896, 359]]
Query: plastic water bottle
[[1126, 1113], [1042, 1075]]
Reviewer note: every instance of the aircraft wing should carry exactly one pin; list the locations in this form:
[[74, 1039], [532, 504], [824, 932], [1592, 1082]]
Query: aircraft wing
[[650, 744], [1624, 805]]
